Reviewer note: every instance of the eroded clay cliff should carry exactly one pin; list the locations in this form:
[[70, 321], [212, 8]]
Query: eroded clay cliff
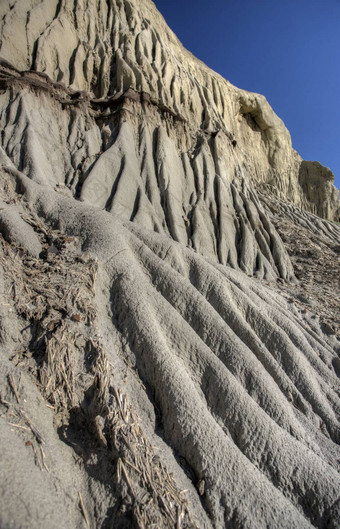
[[186, 144], [167, 359]]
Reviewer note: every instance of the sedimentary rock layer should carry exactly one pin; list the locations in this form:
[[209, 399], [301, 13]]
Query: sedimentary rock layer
[[152, 374], [105, 48], [125, 158]]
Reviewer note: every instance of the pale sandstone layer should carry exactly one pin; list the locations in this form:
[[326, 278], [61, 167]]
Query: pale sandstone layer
[[147, 379]]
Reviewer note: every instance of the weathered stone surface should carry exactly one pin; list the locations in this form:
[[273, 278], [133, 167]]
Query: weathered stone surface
[[169, 353], [128, 159], [105, 48]]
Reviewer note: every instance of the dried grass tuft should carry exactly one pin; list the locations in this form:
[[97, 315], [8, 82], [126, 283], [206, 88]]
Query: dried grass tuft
[[156, 499]]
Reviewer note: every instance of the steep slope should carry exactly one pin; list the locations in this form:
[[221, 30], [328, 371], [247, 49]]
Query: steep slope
[[105, 48], [129, 163], [229, 373], [145, 102], [166, 359]]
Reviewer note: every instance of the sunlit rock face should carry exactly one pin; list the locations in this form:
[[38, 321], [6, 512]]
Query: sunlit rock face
[[138, 126], [146, 346]]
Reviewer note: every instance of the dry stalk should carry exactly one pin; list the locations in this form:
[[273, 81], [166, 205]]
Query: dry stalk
[[43, 457], [13, 387], [33, 429], [83, 510]]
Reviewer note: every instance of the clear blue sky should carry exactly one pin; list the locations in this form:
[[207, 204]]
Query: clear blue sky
[[288, 50]]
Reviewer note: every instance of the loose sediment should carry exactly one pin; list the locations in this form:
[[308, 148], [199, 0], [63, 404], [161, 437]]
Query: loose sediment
[[170, 352]]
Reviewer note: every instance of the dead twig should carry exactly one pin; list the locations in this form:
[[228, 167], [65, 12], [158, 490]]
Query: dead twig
[[19, 426], [34, 431], [43, 458], [4, 402], [13, 387], [83, 510], [121, 467]]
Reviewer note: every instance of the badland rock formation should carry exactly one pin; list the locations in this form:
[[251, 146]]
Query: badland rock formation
[[170, 286]]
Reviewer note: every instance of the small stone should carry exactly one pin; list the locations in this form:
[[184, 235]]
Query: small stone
[[201, 487], [327, 328]]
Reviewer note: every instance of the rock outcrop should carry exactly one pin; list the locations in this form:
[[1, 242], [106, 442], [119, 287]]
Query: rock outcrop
[[117, 84], [166, 358]]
